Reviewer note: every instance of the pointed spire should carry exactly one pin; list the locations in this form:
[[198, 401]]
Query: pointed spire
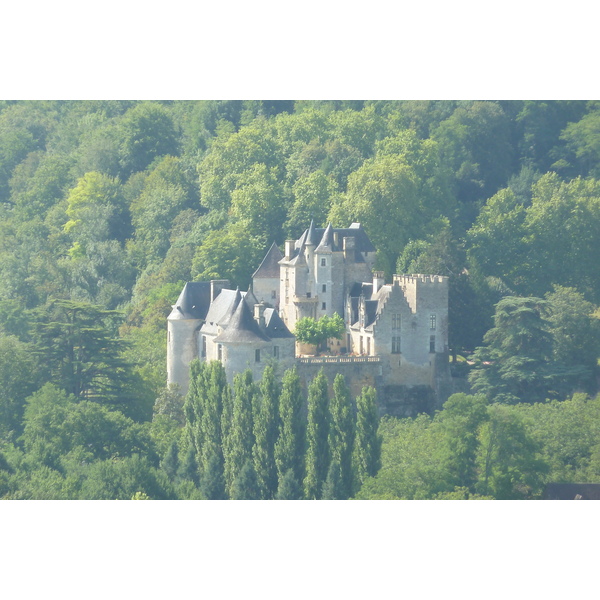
[[327, 243], [311, 234], [242, 327]]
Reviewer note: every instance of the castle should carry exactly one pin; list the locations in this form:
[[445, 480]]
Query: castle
[[396, 334]]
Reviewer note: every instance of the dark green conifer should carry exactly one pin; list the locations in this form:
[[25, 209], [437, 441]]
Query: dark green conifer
[[341, 432], [266, 428], [317, 431]]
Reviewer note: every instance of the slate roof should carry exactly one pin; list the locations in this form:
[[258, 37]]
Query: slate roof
[[275, 327], [242, 328], [327, 243], [223, 307], [269, 267], [324, 239], [193, 302]]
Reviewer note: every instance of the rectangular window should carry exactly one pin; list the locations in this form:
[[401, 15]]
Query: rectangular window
[[432, 344], [324, 306], [396, 344], [219, 351], [324, 288], [323, 262], [396, 321], [361, 344], [369, 346], [257, 356], [275, 351], [273, 294], [432, 320], [203, 345]]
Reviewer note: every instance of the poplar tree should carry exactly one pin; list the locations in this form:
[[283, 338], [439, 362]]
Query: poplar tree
[[341, 433], [317, 431], [245, 486], [332, 487], [367, 442], [240, 439], [289, 488], [193, 406], [216, 393], [289, 448], [266, 427]]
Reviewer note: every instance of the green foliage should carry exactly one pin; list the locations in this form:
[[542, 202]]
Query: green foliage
[[367, 442], [514, 365], [245, 486], [341, 434], [333, 488], [266, 429], [237, 445], [508, 459], [318, 331], [317, 432], [289, 488], [146, 132], [19, 377], [289, 447]]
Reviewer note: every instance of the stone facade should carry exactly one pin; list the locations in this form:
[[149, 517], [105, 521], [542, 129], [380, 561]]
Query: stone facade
[[396, 337]]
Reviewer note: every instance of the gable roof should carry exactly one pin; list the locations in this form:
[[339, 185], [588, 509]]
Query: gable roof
[[193, 302], [242, 328], [269, 267]]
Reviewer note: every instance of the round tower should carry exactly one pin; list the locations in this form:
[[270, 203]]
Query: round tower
[[182, 332]]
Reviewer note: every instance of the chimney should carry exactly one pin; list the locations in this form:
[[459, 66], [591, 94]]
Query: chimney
[[349, 248], [336, 239], [216, 285], [378, 280], [259, 314], [289, 248]]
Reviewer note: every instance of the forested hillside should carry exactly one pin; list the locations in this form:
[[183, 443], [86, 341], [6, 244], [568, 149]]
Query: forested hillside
[[108, 207]]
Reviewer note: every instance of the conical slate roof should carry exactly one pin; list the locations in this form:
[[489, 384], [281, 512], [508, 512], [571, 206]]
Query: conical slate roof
[[274, 326], [327, 243], [242, 328], [193, 302], [269, 267]]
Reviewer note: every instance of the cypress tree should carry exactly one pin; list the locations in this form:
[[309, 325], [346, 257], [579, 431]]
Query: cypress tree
[[289, 448], [317, 431], [367, 443], [289, 488], [245, 486], [240, 439], [341, 433], [266, 427], [332, 488]]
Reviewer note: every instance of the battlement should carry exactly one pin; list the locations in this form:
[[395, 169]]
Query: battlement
[[413, 280]]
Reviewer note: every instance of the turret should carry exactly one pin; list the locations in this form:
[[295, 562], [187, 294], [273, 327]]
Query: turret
[[182, 326]]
